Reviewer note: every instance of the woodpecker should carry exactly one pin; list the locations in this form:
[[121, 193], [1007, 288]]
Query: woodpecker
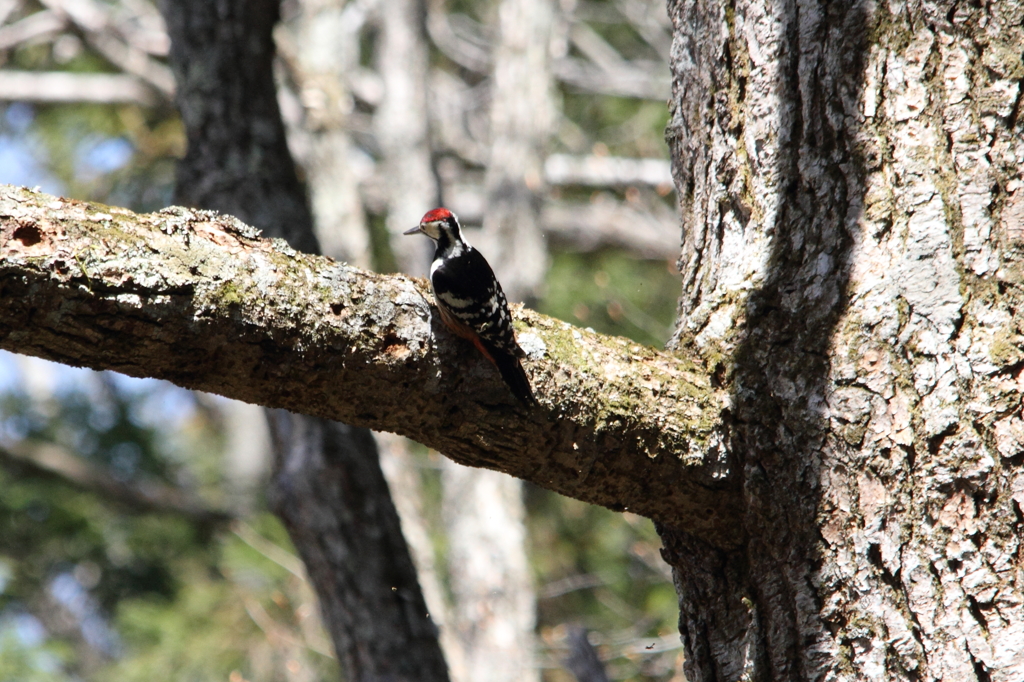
[[471, 301]]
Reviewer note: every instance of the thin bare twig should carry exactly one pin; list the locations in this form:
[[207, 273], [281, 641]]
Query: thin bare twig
[[648, 229], [142, 25], [275, 631], [572, 583], [640, 80], [95, 22], [53, 460], [64, 86], [606, 171], [459, 116], [6, 8], [456, 43], [37, 25], [268, 549]]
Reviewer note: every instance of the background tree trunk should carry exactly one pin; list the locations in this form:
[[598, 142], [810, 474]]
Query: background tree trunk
[[401, 122], [328, 487], [495, 604], [321, 47], [402, 471], [522, 118], [851, 209], [323, 51]]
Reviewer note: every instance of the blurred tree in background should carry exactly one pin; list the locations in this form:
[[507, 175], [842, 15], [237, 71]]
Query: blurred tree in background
[[134, 540]]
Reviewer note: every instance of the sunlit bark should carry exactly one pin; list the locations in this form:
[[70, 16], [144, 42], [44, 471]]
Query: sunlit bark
[[850, 177]]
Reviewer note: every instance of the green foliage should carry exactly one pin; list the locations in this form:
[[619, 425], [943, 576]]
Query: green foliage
[[184, 601], [21, 661], [121, 154], [242, 617], [197, 636], [602, 570], [613, 294], [48, 526], [614, 125], [77, 143]]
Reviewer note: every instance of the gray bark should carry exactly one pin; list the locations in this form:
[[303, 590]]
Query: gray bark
[[247, 454], [403, 476], [853, 217], [583, 661], [237, 159], [848, 176], [325, 47], [494, 605], [330, 492], [327, 485]]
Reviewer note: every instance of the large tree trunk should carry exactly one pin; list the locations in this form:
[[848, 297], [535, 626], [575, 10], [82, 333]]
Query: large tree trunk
[[852, 220]]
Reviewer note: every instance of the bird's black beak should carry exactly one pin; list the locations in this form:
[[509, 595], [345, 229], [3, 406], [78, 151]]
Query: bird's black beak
[[418, 228]]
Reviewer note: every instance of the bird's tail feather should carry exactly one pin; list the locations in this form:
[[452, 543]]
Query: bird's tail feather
[[512, 372]]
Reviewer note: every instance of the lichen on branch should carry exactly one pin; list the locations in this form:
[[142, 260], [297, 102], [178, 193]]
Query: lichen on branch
[[199, 299]]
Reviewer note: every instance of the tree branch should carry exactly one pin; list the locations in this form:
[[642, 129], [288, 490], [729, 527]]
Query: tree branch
[[64, 86], [6, 8], [602, 171], [94, 21], [198, 299], [644, 232], [637, 79], [147, 496], [35, 25]]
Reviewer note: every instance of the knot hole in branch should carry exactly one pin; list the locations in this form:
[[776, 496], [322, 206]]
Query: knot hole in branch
[[28, 234]]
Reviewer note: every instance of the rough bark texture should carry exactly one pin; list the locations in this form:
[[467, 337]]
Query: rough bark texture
[[852, 259], [200, 300], [852, 265], [327, 486]]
